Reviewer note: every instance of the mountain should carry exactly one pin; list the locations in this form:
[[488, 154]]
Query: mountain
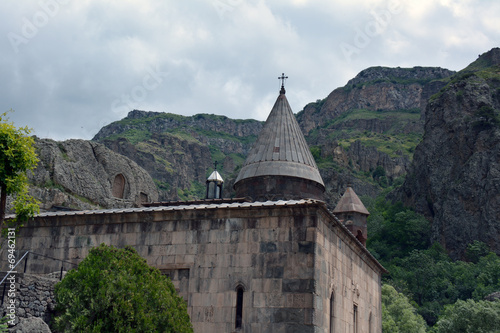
[[454, 179], [433, 131], [179, 152], [364, 133]]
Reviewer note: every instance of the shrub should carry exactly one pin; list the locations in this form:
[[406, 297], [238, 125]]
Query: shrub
[[114, 290], [398, 315], [471, 317]]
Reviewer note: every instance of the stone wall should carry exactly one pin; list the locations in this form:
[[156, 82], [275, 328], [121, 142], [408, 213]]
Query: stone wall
[[34, 296], [347, 275], [284, 255]]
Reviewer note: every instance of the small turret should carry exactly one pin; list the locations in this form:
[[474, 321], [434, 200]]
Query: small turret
[[214, 185], [351, 211]]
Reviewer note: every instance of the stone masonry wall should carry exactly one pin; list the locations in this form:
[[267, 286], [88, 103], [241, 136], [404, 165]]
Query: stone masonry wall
[[34, 296], [281, 254], [346, 273]]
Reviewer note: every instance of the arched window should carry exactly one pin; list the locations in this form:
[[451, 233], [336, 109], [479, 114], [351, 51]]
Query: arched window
[[119, 186], [370, 323], [239, 307], [332, 313]]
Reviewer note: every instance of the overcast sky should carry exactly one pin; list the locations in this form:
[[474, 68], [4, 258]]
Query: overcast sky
[[68, 68]]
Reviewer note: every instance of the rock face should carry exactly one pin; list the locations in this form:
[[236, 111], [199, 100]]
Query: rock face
[[81, 174], [179, 152], [494, 297], [172, 161], [454, 179], [374, 121], [378, 88], [384, 104], [32, 325]]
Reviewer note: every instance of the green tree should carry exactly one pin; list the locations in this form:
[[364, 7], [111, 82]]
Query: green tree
[[476, 250], [114, 290], [471, 317], [398, 315], [394, 230], [434, 280], [17, 155], [487, 276]]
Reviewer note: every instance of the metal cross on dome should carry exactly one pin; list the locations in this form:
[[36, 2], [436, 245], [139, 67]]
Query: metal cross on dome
[[282, 78]]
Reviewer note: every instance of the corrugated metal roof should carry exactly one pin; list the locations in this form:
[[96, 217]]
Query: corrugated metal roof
[[350, 202], [187, 206], [280, 149]]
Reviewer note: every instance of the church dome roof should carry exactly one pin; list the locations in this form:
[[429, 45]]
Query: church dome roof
[[280, 149], [350, 202]]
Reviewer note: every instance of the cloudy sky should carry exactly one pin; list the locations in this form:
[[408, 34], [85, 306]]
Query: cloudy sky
[[68, 68]]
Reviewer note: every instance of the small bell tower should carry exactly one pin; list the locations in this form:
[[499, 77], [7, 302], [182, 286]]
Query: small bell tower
[[214, 185], [351, 211]]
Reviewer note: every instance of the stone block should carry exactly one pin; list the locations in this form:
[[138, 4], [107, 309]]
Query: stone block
[[283, 235], [258, 327], [178, 237], [267, 247], [299, 300], [271, 285], [259, 300], [306, 247], [167, 260], [288, 315], [234, 236], [210, 249], [311, 234], [253, 247], [253, 235], [269, 235], [275, 299], [299, 328], [259, 315], [298, 285], [273, 272]]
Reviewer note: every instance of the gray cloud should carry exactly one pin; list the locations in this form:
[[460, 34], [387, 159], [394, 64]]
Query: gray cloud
[[69, 68]]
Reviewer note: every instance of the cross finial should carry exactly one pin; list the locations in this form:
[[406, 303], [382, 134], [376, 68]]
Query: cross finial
[[215, 163], [282, 78]]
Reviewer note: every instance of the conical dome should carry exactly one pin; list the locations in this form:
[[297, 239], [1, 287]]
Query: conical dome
[[350, 203], [280, 164]]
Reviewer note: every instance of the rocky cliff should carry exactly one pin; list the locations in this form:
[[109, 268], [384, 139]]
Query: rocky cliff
[[79, 174], [366, 131], [455, 175], [362, 134], [370, 126], [179, 152], [378, 89]]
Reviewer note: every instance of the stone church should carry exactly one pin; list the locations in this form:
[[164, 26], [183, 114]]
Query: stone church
[[273, 259]]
